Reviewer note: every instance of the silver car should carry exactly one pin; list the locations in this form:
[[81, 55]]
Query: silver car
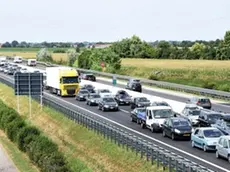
[[223, 147]]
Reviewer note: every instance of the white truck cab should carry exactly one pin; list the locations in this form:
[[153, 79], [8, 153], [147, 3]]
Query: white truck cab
[[154, 117], [17, 59], [31, 62]]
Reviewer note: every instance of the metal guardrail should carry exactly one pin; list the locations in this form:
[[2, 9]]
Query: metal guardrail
[[161, 84], [151, 152]]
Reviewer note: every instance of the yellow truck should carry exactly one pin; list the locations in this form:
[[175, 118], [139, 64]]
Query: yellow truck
[[63, 81]]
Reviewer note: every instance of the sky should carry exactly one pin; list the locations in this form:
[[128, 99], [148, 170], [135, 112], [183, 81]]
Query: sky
[[112, 20]]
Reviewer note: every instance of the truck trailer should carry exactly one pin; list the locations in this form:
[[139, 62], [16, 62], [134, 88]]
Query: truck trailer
[[63, 81]]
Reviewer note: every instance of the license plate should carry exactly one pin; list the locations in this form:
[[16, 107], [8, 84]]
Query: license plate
[[111, 107], [186, 134]]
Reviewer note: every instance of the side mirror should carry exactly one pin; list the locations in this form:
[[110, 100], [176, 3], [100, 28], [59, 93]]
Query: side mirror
[[201, 137]]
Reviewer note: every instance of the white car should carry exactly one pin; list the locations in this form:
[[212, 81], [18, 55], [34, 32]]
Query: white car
[[23, 70], [223, 147], [17, 59], [192, 115], [104, 92]]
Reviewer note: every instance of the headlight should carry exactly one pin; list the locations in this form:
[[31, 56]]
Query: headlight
[[106, 106], [116, 105], [139, 105], [121, 100], [81, 96], [92, 100], [177, 131]]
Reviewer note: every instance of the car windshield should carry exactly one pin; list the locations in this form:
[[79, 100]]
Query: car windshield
[[105, 91], [204, 100], [194, 113], [212, 133], [179, 123], [88, 86], [70, 80], [214, 116], [162, 104], [95, 96], [162, 113], [108, 99], [84, 92], [143, 99], [140, 110]]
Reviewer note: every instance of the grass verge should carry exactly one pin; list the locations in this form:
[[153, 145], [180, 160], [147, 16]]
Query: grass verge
[[21, 161], [85, 151]]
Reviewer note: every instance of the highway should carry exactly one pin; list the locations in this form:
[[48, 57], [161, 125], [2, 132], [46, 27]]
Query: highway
[[122, 118], [222, 107]]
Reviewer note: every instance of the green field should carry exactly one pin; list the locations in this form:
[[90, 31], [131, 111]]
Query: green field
[[211, 74], [85, 151]]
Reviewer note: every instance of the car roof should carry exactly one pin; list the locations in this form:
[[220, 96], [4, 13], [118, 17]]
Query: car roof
[[207, 128], [158, 107]]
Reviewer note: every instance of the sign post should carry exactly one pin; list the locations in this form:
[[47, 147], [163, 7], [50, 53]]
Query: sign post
[[29, 84], [114, 81]]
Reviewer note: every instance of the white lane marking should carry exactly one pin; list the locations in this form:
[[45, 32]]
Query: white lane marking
[[179, 150]]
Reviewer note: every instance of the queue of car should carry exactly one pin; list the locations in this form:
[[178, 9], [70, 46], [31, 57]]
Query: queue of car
[[208, 130]]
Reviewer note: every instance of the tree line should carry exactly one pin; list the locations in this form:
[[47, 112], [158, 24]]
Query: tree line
[[42, 151], [134, 47]]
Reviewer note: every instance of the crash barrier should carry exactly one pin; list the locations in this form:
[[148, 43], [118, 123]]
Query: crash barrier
[[151, 152], [161, 84]]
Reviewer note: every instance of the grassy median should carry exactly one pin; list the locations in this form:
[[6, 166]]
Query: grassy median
[[85, 151], [21, 161]]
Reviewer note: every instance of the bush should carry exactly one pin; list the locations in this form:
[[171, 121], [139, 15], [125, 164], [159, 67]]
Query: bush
[[208, 85], [42, 151], [23, 134], [59, 51], [14, 128]]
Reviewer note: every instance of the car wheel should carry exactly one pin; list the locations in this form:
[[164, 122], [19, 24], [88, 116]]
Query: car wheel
[[217, 154], [173, 136], [193, 144], [132, 119], [205, 148], [229, 158], [103, 109], [152, 130], [98, 107], [163, 133], [142, 125], [87, 103], [90, 104]]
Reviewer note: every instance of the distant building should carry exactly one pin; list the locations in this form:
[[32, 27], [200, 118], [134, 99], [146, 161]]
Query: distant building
[[100, 45]]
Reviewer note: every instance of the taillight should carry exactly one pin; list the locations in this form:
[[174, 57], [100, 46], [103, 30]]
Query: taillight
[[198, 103]]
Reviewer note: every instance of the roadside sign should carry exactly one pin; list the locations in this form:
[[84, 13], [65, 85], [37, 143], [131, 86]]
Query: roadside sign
[[102, 64], [114, 81]]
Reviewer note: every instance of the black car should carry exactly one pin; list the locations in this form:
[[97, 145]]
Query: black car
[[177, 128], [89, 87], [160, 103], [82, 94], [108, 103], [122, 97], [133, 114], [140, 102], [207, 118], [88, 76], [134, 85], [93, 99]]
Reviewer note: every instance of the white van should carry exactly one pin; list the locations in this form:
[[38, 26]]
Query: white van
[[17, 59], [31, 62]]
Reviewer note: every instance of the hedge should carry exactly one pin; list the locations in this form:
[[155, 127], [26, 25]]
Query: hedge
[[42, 151]]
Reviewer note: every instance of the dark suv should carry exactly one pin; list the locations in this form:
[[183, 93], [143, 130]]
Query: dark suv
[[134, 85], [201, 101]]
